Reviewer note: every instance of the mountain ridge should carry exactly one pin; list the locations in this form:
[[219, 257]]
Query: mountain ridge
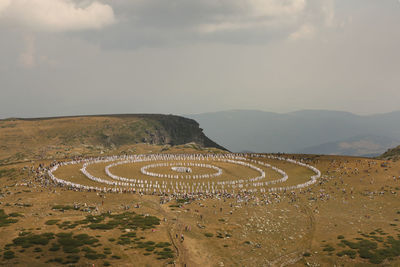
[[292, 132]]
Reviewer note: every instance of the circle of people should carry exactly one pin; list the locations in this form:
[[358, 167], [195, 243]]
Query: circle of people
[[181, 169], [176, 183]]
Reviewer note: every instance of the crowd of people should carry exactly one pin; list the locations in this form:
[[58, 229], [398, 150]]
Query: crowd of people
[[144, 170], [181, 169], [182, 187]]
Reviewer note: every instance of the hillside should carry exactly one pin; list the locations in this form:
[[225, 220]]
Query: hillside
[[40, 138], [393, 153], [312, 131]]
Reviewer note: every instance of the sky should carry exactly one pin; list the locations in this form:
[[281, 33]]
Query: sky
[[70, 57]]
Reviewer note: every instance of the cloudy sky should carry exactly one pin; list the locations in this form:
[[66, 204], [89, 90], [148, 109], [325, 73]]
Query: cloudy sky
[[66, 57]]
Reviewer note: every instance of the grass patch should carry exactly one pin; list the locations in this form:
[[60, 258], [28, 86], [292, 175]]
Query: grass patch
[[166, 253], [8, 255], [369, 249], [5, 219], [67, 225], [7, 172], [126, 220], [51, 222], [30, 240], [328, 248], [15, 214], [70, 243], [63, 207]]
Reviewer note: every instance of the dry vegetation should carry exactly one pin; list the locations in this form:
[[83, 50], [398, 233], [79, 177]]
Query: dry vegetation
[[350, 219], [24, 140]]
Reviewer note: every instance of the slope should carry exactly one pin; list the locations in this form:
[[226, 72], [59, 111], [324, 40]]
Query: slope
[[39, 138]]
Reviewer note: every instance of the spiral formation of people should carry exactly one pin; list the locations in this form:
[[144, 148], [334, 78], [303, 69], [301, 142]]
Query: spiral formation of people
[[182, 174]]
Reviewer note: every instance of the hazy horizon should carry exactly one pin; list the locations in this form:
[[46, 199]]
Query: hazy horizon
[[193, 114], [86, 57]]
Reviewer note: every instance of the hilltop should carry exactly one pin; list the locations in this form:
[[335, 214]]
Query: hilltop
[[47, 138]]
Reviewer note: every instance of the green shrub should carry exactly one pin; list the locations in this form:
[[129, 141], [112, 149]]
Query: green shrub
[[94, 256], [101, 226], [54, 247], [351, 253], [51, 222], [15, 214], [58, 259], [4, 219], [365, 253], [329, 248], [8, 255], [31, 239], [350, 244], [163, 244], [124, 241], [63, 207], [70, 243], [71, 259], [340, 254]]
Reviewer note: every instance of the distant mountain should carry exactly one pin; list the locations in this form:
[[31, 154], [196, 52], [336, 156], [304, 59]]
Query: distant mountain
[[363, 145], [305, 130]]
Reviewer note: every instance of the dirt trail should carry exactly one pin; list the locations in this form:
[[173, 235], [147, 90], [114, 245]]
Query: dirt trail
[[174, 230]]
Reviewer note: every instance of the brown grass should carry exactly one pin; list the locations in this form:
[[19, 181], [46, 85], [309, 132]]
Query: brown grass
[[243, 235]]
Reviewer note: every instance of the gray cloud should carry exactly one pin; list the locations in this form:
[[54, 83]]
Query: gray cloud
[[155, 58], [156, 22], [55, 15]]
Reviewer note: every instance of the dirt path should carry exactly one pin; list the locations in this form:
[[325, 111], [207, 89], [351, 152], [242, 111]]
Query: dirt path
[[174, 230]]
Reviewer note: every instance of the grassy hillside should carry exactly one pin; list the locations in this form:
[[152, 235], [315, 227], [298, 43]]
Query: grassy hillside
[[45, 138], [393, 153]]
